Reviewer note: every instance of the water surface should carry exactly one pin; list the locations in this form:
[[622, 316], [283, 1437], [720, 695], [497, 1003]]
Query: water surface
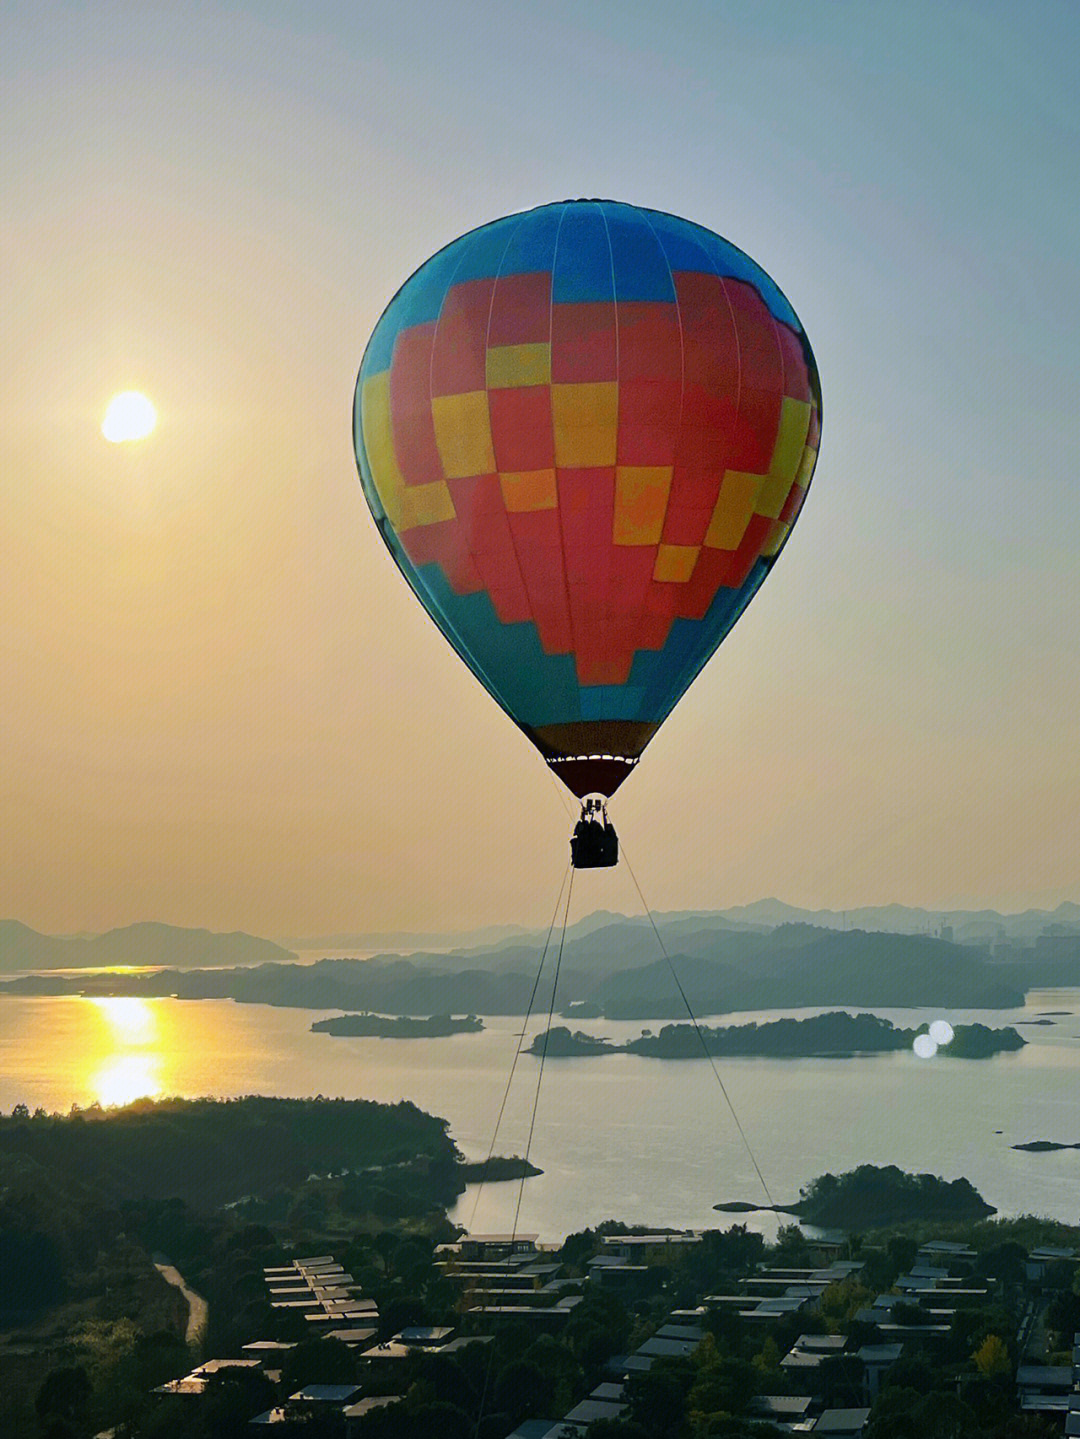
[[617, 1136]]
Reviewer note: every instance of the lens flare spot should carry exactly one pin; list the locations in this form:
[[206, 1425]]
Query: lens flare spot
[[924, 1046], [941, 1032]]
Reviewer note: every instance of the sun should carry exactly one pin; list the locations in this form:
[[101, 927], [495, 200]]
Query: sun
[[130, 416]]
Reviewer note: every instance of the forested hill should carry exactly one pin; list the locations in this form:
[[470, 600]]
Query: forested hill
[[210, 1152], [801, 966], [136, 944]]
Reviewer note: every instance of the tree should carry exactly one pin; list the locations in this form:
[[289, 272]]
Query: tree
[[767, 1360], [791, 1245], [1007, 1262], [1060, 1274], [232, 1396], [523, 1390], [657, 1402], [616, 1429], [992, 1357], [1063, 1315], [902, 1251], [320, 1361], [910, 1372], [64, 1400], [893, 1415], [841, 1301]]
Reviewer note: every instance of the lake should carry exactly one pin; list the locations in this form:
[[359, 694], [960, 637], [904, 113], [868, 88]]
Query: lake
[[621, 1136]]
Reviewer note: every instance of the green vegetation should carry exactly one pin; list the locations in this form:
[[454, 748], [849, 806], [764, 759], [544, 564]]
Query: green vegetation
[[87, 1198], [210, 1151], [834, 1036], [498, 1168], [559, 1043], [381, 1027], [874, 1196], [110, 1347]]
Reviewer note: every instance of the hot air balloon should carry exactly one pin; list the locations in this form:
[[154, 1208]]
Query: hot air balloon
[[585, 433]]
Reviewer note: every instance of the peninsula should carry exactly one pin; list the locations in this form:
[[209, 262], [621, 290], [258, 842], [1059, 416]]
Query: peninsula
[[873, 1196]]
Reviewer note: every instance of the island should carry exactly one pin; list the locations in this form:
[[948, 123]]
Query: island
[[496, 1169], [559, 1043], [380, 1026], [1043, 1146], [825, 1036], [873, 1196]]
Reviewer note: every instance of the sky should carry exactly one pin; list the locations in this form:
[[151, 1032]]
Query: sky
[[223, 707]]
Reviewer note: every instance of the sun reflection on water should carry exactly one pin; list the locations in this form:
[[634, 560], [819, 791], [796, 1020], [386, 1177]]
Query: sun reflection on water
[[126, 1077], [132, 1069]]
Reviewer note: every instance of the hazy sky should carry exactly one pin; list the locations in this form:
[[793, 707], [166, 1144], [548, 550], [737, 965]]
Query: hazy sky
[[221, 704]]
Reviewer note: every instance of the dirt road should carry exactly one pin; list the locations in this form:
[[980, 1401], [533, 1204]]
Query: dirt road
[[197, 1307]]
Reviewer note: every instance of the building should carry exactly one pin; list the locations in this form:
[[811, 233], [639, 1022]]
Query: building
[[877, 1360], [841, 1423]]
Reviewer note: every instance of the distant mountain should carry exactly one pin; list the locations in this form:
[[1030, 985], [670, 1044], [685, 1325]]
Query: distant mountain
[[598, 946], [792, 967], [136, 944], [498, 945], [967, 925], [606, 942], [609, 942], [797, 966], [407, 941]]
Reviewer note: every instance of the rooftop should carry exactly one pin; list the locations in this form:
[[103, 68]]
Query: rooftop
[[842, 1421], [791, 1406], [215, 1366], [683, 1237], [880, 1353], [1045, 1376], [464, 1341], [693, 1332], [325, 1394], [668, 1348], [591, 1409], [365, 1406], [187, 1388], [498, 1239], [820, 1343], [424, 1334]]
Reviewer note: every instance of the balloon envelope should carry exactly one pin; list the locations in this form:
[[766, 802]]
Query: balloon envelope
[[585, 432]]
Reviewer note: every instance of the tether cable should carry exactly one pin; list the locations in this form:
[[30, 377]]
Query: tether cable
[[543, 1053], [697, 1030], [536, 1098], [521, 1042]]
